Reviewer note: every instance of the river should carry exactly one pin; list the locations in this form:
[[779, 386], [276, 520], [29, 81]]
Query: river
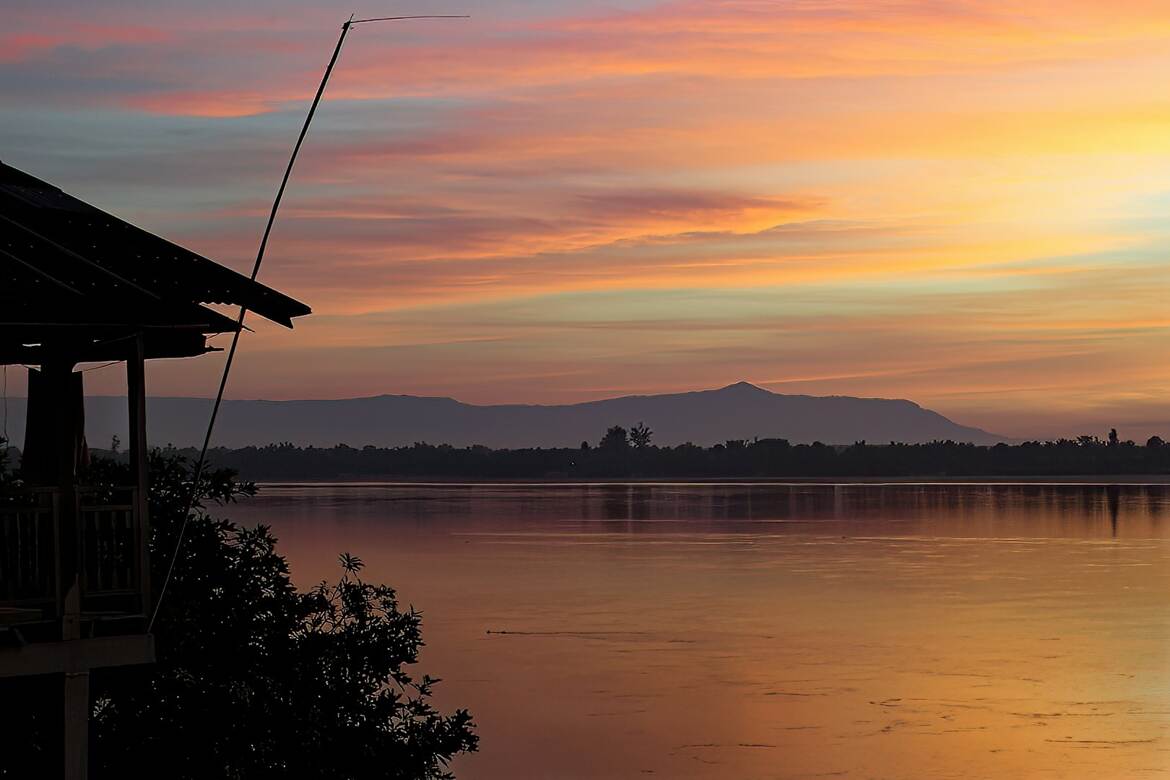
[[773, 630]]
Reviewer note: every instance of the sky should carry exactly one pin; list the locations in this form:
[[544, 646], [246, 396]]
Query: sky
[[960, 203]]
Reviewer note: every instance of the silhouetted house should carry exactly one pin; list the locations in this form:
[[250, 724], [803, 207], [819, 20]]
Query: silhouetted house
[[79, 285]]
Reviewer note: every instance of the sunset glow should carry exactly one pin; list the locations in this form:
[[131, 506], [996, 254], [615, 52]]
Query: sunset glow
[[957, 203]]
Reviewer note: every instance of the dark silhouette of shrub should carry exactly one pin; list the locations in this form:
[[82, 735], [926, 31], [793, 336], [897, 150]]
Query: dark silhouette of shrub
[[255, 679]]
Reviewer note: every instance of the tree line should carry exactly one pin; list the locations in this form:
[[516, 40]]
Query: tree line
[[630, 453]]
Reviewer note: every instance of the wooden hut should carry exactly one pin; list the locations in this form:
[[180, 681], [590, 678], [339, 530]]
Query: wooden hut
[[79, 285]]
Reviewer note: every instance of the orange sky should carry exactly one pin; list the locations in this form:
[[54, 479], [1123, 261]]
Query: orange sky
[[959, 203]]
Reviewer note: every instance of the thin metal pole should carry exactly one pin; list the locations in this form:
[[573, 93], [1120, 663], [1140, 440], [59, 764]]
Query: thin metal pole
[[227, 367]]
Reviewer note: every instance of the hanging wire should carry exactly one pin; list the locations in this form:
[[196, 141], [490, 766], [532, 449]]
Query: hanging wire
[[202, 461], [353, 21], [99, 368], [4, 394]]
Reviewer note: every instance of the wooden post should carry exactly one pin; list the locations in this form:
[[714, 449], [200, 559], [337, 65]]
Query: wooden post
[[77, 725], [59, 386], [136, 399], [59, 378]]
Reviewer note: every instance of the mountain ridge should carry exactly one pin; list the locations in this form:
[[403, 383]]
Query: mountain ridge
[[737, 411], [745, 384]]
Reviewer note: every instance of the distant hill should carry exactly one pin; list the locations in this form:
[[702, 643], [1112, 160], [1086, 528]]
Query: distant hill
[[739, 411]]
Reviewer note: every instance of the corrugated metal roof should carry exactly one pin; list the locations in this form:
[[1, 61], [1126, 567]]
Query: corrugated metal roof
[[60, 254]]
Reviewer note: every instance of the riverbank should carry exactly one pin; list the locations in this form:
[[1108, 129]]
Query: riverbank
[[1085, 459], [1122, 480]]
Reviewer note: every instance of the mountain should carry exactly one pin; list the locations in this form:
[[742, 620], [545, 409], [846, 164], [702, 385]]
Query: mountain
[[739, 411]]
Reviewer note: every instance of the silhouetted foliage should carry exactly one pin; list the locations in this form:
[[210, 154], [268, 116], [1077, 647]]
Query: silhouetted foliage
[[255, 679], [615, 439], [7, 476], [640, 436], [1086, 455]]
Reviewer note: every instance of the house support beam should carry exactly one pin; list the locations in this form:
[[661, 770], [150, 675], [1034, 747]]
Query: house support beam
[[136, 401], [76, 721], [77, 656]]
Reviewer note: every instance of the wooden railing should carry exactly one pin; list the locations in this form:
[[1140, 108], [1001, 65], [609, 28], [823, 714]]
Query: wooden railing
[[28, 550], [108, 552], [109, 540]]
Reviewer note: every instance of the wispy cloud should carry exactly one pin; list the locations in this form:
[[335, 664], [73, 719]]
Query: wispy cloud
[[957, 202]]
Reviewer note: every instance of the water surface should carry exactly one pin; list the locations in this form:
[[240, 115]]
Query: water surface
[[774, 631]]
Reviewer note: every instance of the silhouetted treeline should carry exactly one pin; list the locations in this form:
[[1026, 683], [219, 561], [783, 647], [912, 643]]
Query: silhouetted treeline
[[616, 457]]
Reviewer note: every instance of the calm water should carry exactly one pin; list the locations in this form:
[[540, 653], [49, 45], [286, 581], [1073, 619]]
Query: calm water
[[771, 631]]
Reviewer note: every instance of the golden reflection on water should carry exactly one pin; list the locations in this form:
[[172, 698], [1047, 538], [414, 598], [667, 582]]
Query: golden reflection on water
[[773, 631]]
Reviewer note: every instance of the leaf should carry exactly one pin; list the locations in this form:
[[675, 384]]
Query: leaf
[[351, 563]]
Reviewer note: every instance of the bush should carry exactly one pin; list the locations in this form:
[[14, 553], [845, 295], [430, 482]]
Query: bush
[[255, 679]]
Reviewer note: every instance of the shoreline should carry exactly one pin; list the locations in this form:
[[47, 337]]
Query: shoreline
[[1115, 480]]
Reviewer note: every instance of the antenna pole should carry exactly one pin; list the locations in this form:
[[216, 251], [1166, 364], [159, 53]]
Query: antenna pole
[[231, 355]]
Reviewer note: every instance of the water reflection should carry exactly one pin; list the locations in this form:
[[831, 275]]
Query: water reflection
[[1134, 511], [765, 630]]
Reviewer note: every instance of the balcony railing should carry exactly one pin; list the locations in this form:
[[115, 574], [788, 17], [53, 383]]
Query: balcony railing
[[108, 547], [29, 550]]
